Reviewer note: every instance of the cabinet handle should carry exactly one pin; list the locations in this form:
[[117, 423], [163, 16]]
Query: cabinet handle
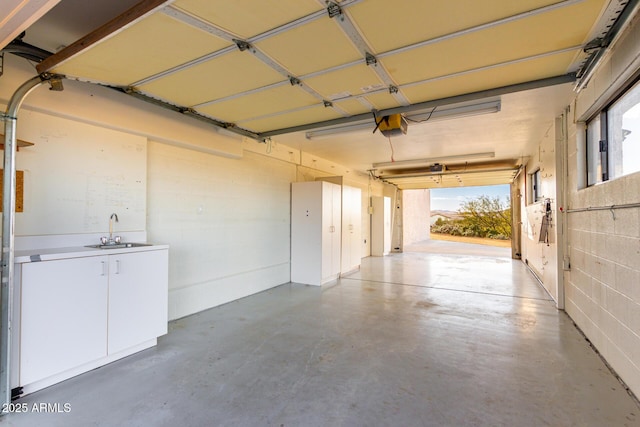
[[117, 266], [104, 268]]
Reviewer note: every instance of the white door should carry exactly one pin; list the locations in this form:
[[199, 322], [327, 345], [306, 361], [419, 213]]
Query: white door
[[387, 225], [381, 226], [64, 315], [138, 291]]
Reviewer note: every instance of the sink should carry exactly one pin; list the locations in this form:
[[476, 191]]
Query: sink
[[118, 245]]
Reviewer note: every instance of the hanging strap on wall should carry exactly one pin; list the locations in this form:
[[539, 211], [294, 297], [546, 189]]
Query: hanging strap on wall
[[546, 223]]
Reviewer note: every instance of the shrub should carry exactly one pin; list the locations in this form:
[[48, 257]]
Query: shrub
[[481, 217]]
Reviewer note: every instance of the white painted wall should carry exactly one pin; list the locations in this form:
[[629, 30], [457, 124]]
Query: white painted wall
[[227, 222], [603, 284], [76, 175], [416, 214], [106, 108], [541, 257], [222, 203]]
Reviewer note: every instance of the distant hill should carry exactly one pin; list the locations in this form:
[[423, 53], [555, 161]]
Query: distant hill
[[444, 215]]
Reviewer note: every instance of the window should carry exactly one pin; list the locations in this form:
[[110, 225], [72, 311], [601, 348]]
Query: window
[[536, 186], [613, 139], [594, 143]]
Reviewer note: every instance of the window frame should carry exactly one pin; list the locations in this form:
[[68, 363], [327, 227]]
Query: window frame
[[602, 173], [535, 178]]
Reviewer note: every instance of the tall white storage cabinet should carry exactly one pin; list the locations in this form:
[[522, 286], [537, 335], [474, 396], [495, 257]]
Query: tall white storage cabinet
[[315, 232], [381, 226], [351, 228]]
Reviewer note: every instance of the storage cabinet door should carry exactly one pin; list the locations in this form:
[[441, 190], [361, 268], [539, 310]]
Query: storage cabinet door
[[351, 228], [328, 233], [336, 244], [138, 292], [64, 315]]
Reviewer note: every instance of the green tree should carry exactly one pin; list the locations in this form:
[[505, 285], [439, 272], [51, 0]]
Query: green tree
[[485, 216]]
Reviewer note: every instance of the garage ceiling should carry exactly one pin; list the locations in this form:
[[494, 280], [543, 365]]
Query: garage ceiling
[[271, 68]]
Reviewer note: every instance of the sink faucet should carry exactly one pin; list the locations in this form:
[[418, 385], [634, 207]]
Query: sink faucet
[[111, 218]]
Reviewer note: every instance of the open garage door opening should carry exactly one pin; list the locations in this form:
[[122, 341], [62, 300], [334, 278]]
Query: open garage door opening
[[479, 217]]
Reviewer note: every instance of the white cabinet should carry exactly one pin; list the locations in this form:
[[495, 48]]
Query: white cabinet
[[138, 292], [80, 313], [381, 226], [63, 315], [315, 232], [351, 228]]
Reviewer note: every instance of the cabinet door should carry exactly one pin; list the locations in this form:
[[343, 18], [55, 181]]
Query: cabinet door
[[355, 231], [351, 220], [307, 228], [328, 232], [64, 315], [336, 245], [138, 292]]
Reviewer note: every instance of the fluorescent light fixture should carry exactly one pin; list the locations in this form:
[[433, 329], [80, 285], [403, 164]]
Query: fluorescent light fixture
[[353, 127], [456, 112], [439, 113], [427, 162]]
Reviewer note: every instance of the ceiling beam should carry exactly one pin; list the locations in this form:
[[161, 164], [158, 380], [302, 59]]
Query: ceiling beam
[[518, 87], [114, 26]]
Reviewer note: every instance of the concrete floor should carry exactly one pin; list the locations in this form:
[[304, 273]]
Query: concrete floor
[[445, 336]]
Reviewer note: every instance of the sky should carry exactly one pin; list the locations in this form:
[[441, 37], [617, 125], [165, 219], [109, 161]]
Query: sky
[[450, 199]]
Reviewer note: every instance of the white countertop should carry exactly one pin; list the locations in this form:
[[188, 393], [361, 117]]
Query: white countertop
[[49, 254]]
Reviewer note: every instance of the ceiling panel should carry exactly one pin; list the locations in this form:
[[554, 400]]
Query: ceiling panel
[[279, 99], [180, 60], [291, 119], [382, 100], [117, 59], [388, 26], [491, 78], [536, 35], [353, 106], [315, 46], [247, 18], [349, 81], [217, 78]]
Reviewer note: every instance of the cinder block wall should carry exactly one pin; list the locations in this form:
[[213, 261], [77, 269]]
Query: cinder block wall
[[602, 288]]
